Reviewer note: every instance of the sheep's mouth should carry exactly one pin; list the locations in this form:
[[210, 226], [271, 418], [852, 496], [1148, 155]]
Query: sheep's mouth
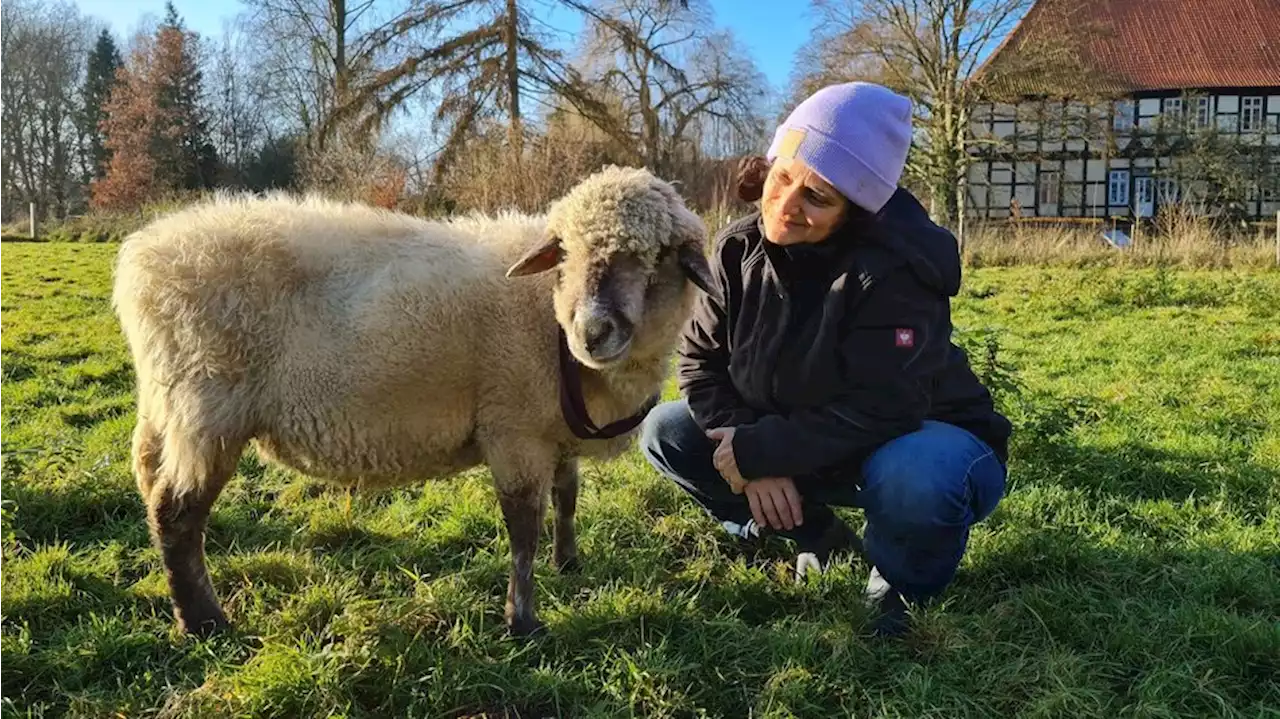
[[604, 357], [601, 335]]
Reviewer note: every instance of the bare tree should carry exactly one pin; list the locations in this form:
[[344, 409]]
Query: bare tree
[[660, 83], [498, 57], [43, 51], [9, 105], [312, 53], [238, 126], [930, 51]]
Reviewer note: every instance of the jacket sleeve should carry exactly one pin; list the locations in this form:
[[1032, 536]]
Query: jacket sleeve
[[890, 358], [702, 369]]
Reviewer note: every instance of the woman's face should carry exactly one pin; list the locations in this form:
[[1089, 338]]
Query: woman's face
[[798, 206]]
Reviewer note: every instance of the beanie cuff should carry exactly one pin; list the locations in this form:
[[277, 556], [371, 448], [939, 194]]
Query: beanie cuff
[[836, 164]]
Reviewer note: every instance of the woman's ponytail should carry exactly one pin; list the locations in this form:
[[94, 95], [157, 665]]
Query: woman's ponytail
[[751, 173]]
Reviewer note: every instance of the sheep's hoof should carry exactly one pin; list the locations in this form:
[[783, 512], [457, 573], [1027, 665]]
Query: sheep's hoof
[[568, 565], [205, 627], [525, 627]]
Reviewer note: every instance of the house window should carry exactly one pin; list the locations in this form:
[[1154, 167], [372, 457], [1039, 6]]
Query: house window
[[1048, 188], [1204, 107], [1167, 190], [1123, 117], [1172, 112], [1118, 188], [1251, 114]]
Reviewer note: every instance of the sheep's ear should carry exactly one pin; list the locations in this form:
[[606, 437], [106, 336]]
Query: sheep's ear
[[689, 237], [540, 259], [694, 265]]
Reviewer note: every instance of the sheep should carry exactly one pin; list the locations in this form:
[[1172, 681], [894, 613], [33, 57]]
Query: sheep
[[370, 349]]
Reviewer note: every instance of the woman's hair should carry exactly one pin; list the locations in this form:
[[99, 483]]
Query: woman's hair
[[751, 173]]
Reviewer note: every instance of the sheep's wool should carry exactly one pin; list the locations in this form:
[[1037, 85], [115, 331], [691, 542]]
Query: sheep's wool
[[370, 348], [620, 209]]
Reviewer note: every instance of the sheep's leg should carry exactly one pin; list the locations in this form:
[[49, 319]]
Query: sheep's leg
[[523, 509], [564, 496], [146, 457], [178, 510]]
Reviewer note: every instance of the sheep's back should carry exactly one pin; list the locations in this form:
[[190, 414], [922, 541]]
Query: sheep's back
[[352, 337]]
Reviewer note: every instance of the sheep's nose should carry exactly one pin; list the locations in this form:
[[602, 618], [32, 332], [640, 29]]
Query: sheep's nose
[[597, 331]]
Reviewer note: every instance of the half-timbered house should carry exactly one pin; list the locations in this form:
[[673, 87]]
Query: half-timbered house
[[1167, 80]]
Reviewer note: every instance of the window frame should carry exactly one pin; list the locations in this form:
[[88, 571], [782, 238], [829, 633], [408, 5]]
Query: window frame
[[1204, 111], [1118, 192], [1055, 186], [1123, 121], [1257, 114]]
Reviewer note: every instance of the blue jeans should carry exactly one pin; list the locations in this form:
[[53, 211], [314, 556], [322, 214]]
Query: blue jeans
[[920, 493]]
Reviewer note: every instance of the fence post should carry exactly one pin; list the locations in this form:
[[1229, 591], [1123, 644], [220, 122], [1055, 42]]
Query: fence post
[[32, 216]]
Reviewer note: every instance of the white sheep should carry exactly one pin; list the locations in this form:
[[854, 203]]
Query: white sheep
[[372, 348]]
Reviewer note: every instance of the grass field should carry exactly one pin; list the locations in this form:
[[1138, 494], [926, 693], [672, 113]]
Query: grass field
[[1133, 569]]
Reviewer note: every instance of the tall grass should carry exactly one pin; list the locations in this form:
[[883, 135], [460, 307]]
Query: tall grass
[[98, 225], [1175, 240], [481, 182]]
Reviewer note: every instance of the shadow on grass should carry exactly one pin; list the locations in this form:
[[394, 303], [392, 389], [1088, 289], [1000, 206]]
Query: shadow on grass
[[654, 625], [673, 643], [84, 514], [1140, 472], [1197, 634]]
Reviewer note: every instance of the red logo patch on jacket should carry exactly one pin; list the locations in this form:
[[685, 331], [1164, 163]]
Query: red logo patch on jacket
[[904, 337]]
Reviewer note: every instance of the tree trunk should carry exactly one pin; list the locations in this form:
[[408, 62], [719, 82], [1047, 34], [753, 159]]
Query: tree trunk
[[340, 49], [341, 77], [649, 135], [516, 134]]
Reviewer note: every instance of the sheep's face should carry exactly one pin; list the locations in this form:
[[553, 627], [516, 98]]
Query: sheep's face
[[625, 249]]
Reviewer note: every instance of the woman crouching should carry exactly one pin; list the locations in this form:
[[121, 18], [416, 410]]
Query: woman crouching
[[826, 376]]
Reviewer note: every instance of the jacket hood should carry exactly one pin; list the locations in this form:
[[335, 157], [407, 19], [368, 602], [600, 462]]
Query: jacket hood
[[930, 249]]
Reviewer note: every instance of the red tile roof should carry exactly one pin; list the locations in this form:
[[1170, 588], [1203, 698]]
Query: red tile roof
[[1156, 44]]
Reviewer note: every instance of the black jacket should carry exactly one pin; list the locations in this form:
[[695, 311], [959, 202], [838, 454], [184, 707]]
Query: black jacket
[[821, 353]]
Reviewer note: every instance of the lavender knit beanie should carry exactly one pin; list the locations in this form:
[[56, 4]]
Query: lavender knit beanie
[[855, 135]]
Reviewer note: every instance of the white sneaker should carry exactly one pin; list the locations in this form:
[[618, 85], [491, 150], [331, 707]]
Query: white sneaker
[[750, 530]]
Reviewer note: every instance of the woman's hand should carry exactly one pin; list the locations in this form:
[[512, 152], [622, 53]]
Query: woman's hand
[[723, 458], [775, 502]]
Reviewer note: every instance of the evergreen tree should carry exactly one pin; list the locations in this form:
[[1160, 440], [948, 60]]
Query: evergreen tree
[[181, 95], [155, 127], [104, 61]]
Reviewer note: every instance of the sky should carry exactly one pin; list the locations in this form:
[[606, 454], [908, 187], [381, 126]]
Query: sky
[[769, 33]]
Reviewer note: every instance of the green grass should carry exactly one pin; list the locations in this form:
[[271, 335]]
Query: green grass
[[1133, 569]]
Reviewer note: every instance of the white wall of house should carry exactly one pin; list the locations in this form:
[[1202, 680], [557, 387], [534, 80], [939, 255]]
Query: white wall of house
[[1056, 160]]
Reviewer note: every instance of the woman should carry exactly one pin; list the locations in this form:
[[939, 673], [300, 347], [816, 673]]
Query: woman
[[825, 374]]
